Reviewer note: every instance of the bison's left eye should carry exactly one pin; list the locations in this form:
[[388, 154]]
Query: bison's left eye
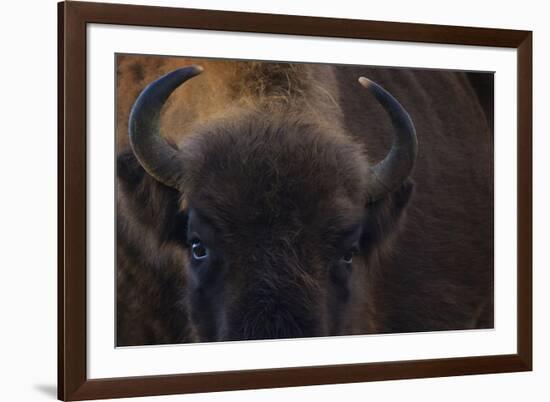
[[198, 251], [347, 258]]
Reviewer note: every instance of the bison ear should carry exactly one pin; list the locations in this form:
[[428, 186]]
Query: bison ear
[[383, 217], [129, 171], [147, 202]]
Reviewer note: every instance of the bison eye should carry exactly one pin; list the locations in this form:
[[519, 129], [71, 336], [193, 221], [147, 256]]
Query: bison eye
[[347, 258], [198, 250]]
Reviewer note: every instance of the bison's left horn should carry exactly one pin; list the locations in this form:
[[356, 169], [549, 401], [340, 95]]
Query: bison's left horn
[[388, 174], [157, 157]]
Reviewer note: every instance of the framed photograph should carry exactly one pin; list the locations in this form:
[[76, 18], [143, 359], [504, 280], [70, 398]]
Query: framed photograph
[[253, 200]]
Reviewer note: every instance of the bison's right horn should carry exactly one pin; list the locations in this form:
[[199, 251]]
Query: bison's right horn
[[387, 175], [155, 155]]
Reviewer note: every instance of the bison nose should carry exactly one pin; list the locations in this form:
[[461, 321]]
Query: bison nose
[[274, 322], [273, 327]]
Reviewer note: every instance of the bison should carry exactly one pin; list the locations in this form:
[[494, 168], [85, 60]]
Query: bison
[[278, 200]]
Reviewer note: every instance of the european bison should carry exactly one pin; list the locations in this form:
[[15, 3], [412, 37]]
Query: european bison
[[279, 200]]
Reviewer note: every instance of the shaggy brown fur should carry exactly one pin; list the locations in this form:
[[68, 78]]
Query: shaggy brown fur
[[277, 155]]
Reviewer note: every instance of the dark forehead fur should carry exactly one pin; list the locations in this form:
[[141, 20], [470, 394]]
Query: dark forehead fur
[[265, 170]]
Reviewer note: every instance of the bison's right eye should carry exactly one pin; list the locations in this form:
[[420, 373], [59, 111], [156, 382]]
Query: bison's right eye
[[198, 251], [348, 257]]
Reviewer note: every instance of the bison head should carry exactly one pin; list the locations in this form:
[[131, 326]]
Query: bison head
[[281, 214]]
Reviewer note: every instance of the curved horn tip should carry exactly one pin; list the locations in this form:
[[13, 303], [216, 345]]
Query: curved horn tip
[[198, 69], [365, 81], [190, 71]]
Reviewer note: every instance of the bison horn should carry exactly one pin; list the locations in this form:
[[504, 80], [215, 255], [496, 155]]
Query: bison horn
[[388, 174], [156, 156]]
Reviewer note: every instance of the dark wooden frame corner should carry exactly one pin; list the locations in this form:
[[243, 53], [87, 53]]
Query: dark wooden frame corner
[[73, 17]]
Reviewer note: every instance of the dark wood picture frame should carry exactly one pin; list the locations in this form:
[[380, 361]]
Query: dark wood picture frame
[[73, 383]]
